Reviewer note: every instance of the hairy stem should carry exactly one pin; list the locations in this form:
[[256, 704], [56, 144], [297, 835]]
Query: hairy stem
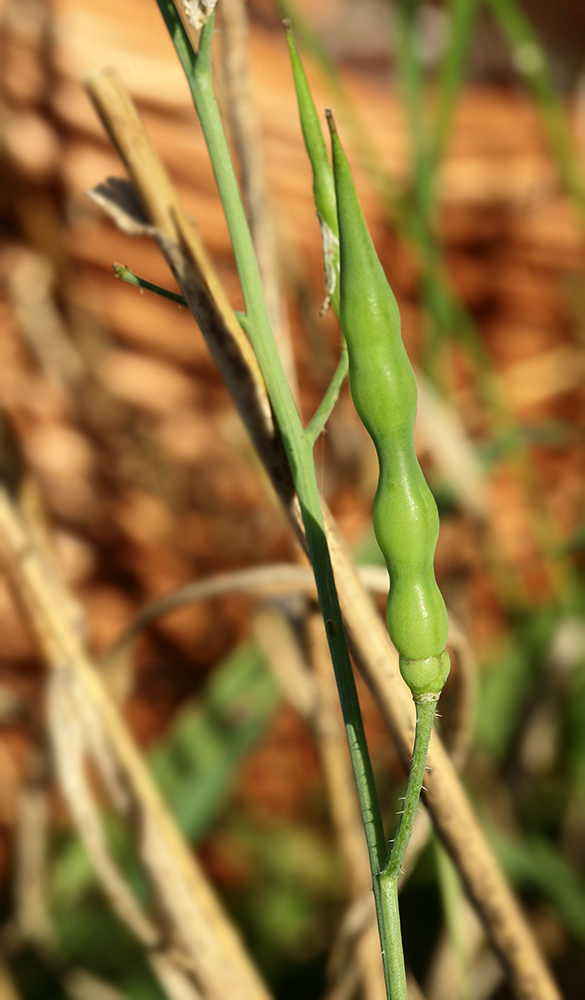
[[386, 885], [425, 715]]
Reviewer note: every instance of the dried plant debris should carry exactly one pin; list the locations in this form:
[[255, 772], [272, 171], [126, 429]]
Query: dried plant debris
[[198, 12]]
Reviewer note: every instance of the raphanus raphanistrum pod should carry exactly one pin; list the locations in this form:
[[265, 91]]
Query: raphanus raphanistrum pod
[[383, 388]]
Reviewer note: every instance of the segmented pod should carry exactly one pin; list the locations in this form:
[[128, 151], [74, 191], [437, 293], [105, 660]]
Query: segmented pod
[[383, 389]]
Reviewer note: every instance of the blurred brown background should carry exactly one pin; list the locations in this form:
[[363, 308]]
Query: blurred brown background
[[146, 473]]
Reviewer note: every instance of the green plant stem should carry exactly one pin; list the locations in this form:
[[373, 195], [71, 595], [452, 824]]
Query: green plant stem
[[125, 274], [387, 881], [422, 222], [452, 897], [462, 17], [391, 938], [532, 63], [317, 422], [425, 715], [298, 445]]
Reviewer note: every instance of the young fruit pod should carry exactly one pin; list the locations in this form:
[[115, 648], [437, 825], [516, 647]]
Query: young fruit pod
[[383, 388], [323, 183]]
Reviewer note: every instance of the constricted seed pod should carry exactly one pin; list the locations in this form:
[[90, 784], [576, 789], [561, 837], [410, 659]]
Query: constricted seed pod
[[383, 388]]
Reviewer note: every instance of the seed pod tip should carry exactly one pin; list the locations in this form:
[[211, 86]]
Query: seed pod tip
[[330, 121]]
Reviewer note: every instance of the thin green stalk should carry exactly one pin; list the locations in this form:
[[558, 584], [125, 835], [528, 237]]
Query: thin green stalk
[[391, 937], [413, 91], [298, 445], [386, 884], [425, 716], [439, 303], [125, 274], [531, 62], [317, 422], [462, 20], [197, 68], [452, 897], [387, 881]]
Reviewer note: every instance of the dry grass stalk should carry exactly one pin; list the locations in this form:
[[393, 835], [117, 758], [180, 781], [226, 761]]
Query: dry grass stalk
[[166, 220], [191, 932], [346, 817], [83, 986], [244, 126], [8, 990], [355, 960], [33, 923], [444, 797]]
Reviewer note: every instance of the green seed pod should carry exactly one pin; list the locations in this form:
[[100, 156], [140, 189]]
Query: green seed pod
[[383, 389], [323, 183]]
